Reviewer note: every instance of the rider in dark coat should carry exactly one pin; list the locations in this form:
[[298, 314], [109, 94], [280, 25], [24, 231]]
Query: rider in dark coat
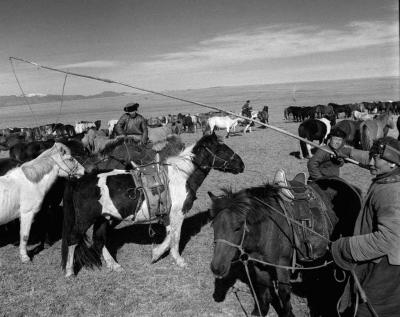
[[132, 124], [374, 250]]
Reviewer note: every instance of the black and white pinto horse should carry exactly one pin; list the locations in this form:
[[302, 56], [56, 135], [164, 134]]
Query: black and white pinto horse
[[94, 199], [313, 129]]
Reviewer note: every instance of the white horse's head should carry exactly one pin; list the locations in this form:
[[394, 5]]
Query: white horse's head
[[67, 165]]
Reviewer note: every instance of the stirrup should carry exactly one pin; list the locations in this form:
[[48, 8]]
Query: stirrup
[[280, 180]]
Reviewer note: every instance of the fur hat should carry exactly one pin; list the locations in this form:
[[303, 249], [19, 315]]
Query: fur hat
[[338, 133], [131, 107]]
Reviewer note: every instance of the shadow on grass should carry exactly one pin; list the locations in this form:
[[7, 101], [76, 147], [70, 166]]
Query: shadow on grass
[[140, 233]]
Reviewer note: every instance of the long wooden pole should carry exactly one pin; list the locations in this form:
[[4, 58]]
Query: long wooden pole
[[184, 100]]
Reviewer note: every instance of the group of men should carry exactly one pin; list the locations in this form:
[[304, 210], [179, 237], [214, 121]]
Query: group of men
[[373, 252]]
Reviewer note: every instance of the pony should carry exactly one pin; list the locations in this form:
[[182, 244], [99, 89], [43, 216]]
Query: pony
[[313, 129], [371, 130], [110, 127], [251, 227], [352, 130], [362, 116], [222, 123], [83, 126], [94, 198], [23, 188]]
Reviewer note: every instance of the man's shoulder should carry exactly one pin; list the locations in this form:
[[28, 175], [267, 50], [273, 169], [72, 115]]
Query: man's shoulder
[[125, 116]]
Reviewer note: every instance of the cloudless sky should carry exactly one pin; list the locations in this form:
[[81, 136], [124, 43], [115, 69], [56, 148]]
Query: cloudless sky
[[177, 44]]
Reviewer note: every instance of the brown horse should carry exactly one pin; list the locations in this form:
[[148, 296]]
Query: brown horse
[[371, 130], [251, 228]]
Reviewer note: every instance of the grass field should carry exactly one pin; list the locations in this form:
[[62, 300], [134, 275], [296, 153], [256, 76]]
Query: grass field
[[161, 289]]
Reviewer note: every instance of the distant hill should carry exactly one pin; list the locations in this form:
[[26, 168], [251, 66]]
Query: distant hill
[[40, 98]]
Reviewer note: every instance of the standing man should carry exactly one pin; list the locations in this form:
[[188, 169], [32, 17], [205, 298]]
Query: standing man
[[324, 164], [373, 252], [132, 124]]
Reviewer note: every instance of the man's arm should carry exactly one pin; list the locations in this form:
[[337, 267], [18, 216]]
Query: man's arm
[[145, 131], [120, 125]]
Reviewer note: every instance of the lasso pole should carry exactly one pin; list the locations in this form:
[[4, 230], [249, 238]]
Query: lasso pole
[[184, 100]]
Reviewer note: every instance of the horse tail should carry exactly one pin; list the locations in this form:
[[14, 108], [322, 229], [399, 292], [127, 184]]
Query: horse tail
[[365, 137], [84, 255]]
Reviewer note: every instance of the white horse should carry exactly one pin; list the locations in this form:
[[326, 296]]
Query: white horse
[[23, 188], [110, 126], [362, 116], [223, 123]]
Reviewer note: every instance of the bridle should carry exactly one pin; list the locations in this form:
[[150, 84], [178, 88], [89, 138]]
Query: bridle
[[71, 171], [215, 157]]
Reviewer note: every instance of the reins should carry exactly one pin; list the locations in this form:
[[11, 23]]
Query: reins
[[244, 257]]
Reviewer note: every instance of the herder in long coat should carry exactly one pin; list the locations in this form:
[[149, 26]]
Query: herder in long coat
[[133, 124], [374, 250]]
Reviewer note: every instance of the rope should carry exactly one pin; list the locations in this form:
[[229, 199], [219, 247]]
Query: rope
[[23, 93], [109, 81], [62, 97]]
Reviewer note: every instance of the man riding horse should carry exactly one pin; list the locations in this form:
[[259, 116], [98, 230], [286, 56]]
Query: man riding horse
[[133, 125]]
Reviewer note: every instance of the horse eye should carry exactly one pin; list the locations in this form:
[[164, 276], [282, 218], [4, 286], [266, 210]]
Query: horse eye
[[237, 229]]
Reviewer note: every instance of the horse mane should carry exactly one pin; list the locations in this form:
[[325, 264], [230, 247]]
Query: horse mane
[[245, 202], [110, 146], [35, 170], [183, 161]]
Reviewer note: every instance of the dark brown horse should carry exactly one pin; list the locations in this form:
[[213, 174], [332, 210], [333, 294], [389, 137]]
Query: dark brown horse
[[371, 130], [251, 228], [352, 130]]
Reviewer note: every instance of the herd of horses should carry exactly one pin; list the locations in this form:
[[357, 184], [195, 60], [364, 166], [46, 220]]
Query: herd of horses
[[333, 110], [360, 131], [256, 238]]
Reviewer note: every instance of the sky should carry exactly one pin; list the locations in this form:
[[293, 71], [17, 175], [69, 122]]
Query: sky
[[188, 44]]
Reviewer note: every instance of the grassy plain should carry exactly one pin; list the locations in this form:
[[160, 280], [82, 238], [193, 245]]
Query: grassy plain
[[162, 289]]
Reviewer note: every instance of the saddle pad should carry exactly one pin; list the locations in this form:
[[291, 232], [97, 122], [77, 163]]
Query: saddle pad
[[152, 180], [313, 213]]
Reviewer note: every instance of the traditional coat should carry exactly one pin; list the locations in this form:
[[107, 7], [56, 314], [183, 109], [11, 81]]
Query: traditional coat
[[375, 246], [129, 125], [324, 164]]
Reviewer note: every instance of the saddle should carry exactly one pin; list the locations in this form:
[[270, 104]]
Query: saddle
[[306, 205], [152, 181]]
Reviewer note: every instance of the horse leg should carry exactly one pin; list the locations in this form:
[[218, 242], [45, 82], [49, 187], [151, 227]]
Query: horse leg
[[284, 290], [69, 270], [261, 283], [26, 222], [159, 250], [176, 226], [99, 243]]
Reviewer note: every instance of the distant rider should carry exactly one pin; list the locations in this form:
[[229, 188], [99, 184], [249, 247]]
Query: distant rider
[[132, 124]]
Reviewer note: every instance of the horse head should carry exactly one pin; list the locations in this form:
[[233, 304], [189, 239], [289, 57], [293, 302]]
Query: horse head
[[229, 232], [68, 165], [211, 152]]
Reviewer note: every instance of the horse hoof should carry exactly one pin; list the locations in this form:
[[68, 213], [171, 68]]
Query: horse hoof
[[25, 259], [181, 262], [117, 268]]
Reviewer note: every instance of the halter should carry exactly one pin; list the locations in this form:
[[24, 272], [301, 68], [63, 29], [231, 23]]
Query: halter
[[71, 171], [214, 156]]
